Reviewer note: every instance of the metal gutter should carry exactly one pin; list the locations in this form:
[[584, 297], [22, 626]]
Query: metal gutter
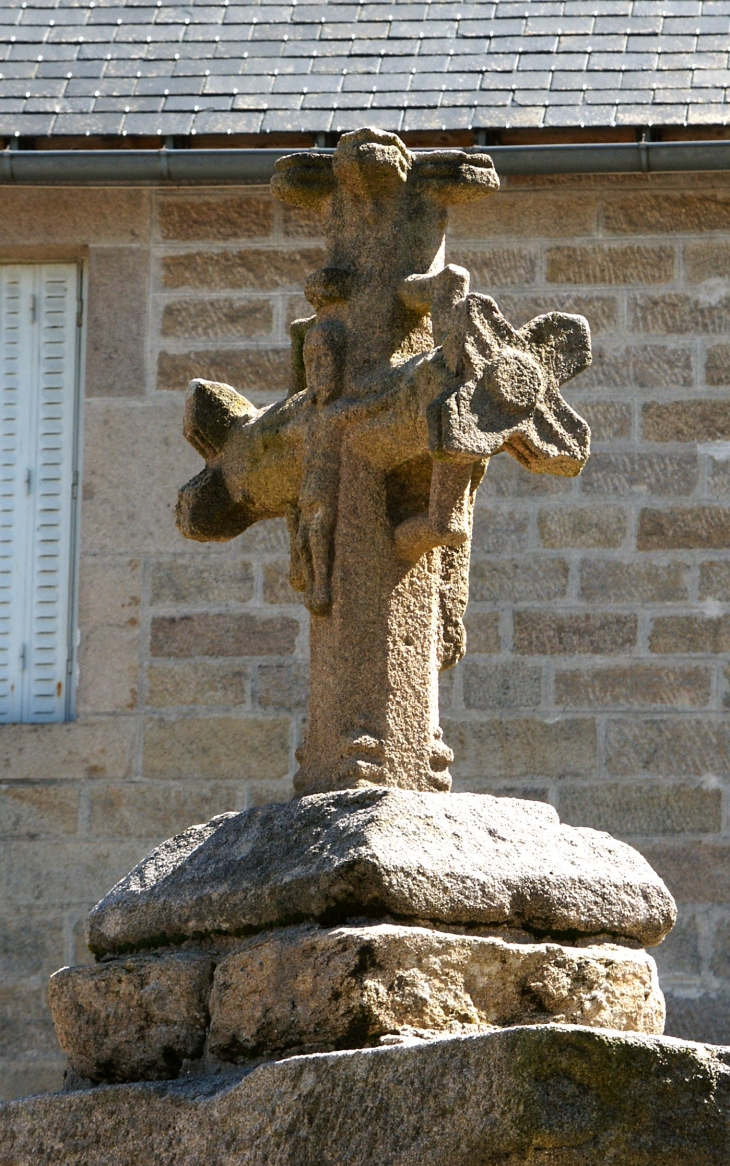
[[210, 167], [612, 158], [81, 167]]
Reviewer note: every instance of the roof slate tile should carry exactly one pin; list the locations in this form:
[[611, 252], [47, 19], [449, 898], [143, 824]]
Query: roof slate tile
[[239, 122], [15, 123], [299, 122], [164, 123], [705, 114], [531, 116], [309, 85]]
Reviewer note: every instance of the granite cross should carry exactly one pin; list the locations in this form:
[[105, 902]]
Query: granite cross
[[403, 386]]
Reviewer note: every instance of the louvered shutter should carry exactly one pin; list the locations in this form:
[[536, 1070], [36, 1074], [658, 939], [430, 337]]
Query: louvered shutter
[[38, 378]]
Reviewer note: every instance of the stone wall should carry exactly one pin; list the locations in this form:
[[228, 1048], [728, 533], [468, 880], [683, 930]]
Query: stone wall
[[599, 628]]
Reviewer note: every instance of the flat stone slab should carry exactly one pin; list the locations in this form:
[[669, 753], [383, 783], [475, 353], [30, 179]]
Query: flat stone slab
[[443, 858], [309, 989], [543, 1096]]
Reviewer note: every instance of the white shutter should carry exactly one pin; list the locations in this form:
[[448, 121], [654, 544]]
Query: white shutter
[[15, 370], [38, 377]]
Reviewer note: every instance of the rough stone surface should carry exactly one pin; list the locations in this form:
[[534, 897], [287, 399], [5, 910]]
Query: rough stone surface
[[344, 988], [213, 746], [186, 216], [262, 370], [117, 341], [218, 319], [537, 1096], [133, 1019], [626, 264], [573, 633], [459, 858], [684, 528], [698, 420], [403, 386], [222, 635], [306, 989]]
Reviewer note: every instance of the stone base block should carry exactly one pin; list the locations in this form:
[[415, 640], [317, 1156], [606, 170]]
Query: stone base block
[[347, 987], [135, 1019], [540, 1096], [307, 989]]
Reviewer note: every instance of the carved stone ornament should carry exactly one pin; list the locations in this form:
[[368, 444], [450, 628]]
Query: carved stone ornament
[[403, 386]]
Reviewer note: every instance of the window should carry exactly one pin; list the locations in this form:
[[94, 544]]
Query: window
[[40, 318]]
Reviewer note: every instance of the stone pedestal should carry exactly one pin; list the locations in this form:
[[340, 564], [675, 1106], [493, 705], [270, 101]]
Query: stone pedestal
[[463, 859], [342, 920]]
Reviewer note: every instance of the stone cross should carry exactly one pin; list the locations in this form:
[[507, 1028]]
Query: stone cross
[[403, 386]]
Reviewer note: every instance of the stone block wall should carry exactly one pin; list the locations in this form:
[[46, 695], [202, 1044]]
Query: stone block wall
[[598, 668]]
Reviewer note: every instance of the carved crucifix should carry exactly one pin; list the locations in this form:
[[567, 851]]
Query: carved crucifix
[[403, 386]]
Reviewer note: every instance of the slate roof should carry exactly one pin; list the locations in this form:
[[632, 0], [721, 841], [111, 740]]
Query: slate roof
[[155, 67]]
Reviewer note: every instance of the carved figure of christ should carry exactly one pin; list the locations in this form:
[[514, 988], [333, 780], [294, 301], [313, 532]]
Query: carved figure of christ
[[403, 386]]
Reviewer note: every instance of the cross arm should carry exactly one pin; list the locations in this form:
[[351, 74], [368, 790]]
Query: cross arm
[[253, 462]]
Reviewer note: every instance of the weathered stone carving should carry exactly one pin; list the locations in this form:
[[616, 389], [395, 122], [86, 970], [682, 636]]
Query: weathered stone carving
[[403, 386], [356, 916]]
